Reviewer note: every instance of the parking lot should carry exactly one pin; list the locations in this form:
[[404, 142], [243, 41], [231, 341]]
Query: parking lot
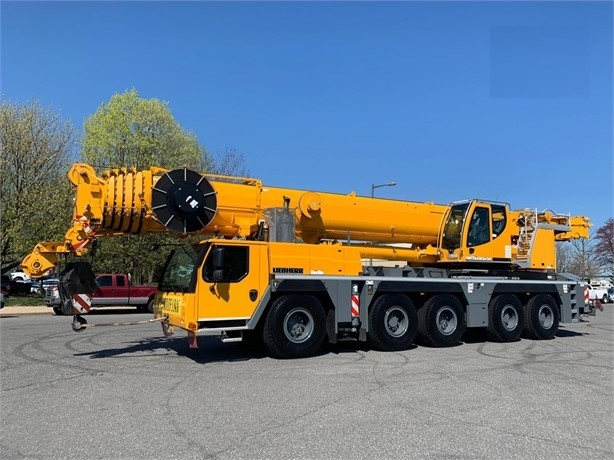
[[127, 392]]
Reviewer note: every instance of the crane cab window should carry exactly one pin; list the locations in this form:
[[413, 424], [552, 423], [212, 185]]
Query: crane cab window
[[451, 237], [499, 219], [479, 232], [226, 264]]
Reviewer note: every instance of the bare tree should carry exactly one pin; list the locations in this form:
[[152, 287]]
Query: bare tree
[[604, 246], [37, 146]]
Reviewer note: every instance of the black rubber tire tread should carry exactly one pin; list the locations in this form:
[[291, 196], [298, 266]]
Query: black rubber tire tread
[[532, 327], [496, 330], [379, 337], [58, 311], [427, 327], [275, 341]]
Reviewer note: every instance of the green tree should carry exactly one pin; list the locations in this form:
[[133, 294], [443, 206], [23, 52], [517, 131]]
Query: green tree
[[37, 147], [132, 131]]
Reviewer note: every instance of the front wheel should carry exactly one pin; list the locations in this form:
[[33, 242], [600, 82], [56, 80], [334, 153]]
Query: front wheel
[[393, 323], [441, 321], [294, 326], [58, 311], [541, 317], [604, 299]]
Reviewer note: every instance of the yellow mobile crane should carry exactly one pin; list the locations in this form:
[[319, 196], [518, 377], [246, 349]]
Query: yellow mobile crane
[[286, 266]]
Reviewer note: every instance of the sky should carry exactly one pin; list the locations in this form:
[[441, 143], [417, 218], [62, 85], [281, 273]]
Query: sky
[[506, 101]]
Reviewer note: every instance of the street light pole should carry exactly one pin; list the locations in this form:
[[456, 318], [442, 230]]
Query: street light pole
[[387, 184]]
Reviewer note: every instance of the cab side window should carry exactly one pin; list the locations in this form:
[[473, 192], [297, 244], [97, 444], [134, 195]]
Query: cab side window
[[499, 219], [104, 281], [235, 264], [479, 227]]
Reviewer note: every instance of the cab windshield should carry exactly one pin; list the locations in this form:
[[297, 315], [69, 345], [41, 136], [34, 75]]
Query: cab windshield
[[180, 270], [453, 228]]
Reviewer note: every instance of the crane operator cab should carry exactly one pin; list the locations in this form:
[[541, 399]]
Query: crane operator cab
[[474, 230]]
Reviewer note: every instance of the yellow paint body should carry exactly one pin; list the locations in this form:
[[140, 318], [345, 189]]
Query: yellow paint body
[[219, 301], [121, 202]]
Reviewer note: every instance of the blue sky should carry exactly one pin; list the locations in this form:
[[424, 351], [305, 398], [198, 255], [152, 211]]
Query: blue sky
[[508, 101]]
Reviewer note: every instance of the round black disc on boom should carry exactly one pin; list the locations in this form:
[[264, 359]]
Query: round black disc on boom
[[184, 201]]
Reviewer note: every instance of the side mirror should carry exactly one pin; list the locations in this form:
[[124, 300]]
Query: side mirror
[[218, 275], [218, 258]]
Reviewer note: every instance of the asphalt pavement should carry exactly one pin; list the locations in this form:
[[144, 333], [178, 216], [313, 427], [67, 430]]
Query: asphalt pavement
[[121, 390]]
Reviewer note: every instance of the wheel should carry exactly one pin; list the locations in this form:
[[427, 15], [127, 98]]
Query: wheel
[[145, 308], [393, 323], [441, 321], [505, 318], [541, 317], [605, 298], [58, 311], [294, 326]]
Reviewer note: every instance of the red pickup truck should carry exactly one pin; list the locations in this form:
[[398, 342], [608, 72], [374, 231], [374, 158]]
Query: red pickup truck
[[111, 290]]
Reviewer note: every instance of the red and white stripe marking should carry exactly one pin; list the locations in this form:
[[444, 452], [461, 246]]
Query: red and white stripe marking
[[88, 232], [355, 303], [81, 303]]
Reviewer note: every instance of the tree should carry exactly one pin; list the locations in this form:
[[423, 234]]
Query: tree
[[604, 246], [132, 131], [227, 163], [37, 147]]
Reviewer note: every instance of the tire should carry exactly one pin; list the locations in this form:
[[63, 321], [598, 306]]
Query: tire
[[541, 316], [393, 323], [150, 306], [441, 321], [58, 311], [294, 327], [605, 298], [505, 318]]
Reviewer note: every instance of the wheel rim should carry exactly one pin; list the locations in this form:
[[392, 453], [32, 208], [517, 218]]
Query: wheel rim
[[298, 325], [396, 321], [545, 316], [509, 318], [446, 320]]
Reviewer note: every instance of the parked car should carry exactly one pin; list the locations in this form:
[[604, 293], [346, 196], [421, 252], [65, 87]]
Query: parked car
[[111, 290], [611, 294], [1, 299], [14, 287], [19, 276]]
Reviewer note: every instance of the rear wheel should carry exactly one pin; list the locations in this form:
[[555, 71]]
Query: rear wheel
[[294, 326], [441, 321], [393, 323], [541, 317], [505, 318]]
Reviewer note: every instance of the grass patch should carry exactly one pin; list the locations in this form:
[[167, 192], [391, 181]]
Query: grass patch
[[24, 301]]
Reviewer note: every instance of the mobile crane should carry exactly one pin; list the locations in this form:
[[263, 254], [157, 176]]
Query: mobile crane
[[286, 266]]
